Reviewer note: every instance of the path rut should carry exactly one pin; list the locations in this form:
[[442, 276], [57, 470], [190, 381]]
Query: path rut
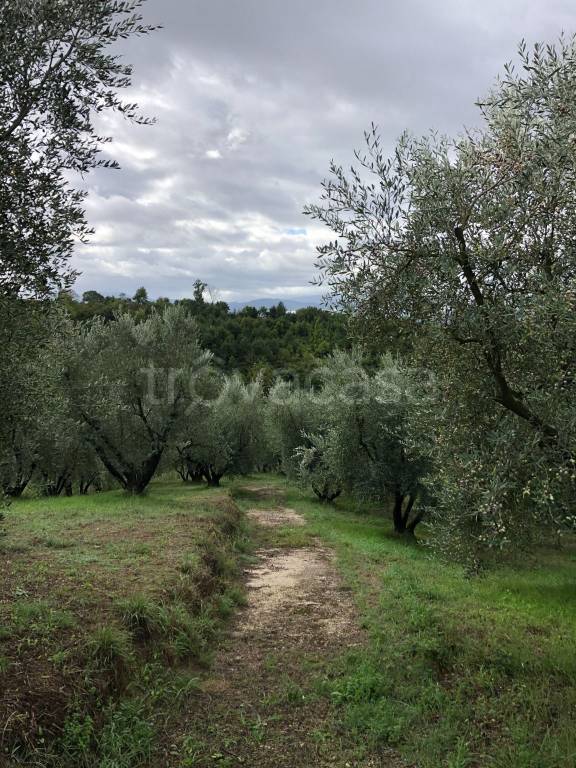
[[254, 709]]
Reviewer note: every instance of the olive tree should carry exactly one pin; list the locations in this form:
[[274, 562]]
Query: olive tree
[[65, 459], [292, 415], [471, 241], [317, 469], [40, 438], [365, 439], [18, 450], [58, 71], [130, 384], [27, 389], [227, 436]]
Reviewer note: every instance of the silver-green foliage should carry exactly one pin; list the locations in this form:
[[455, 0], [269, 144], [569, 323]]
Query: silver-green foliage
[[471, 242], [24, 390], [368, 438], [351, 434], [317, 469], [57, 73], [227, 435], [39, 437], [292, 414], [131, 385]]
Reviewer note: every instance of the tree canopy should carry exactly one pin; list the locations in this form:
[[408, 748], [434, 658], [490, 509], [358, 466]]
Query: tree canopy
[[130, 384], [57, 72], [253, 341], [471, 241]]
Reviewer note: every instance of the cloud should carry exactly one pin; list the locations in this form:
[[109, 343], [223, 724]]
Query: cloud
[[253, 99]]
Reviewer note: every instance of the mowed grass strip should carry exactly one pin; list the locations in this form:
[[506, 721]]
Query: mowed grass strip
[[109, 605], [457, 671]]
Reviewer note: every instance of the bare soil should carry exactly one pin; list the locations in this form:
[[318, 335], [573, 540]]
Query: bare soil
[[276, 518]]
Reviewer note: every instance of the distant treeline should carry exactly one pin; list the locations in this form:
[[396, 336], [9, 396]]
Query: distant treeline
[[252, 340]]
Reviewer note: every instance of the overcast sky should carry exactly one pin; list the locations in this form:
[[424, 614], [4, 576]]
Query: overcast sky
[[253, 98]]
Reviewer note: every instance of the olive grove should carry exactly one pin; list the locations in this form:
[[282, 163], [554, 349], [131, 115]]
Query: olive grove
[[351, 435], [458, 255]]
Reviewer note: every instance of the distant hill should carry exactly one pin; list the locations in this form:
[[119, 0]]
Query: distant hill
[[290, 304]]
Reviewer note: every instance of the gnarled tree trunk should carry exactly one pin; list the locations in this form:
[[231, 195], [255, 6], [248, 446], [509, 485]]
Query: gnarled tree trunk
[[404, 522]]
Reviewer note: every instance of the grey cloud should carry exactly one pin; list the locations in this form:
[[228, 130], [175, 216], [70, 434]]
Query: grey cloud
[[253, 99]]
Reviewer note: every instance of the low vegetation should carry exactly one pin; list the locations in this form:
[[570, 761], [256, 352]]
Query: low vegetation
[[454, 671], [106, 641], [109, 607]]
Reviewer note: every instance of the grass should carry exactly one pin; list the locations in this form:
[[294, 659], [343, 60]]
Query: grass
[[455, 671], [109, 607]]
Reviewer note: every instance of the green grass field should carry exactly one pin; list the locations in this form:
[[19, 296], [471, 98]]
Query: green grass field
[[109, 606], [457, 671]]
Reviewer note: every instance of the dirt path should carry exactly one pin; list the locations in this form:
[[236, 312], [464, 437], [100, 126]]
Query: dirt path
[[256, 708], [295, 595]]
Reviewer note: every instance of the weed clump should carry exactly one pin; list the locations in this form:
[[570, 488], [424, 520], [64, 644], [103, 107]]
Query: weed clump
[[143, 617], [110, 650]]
